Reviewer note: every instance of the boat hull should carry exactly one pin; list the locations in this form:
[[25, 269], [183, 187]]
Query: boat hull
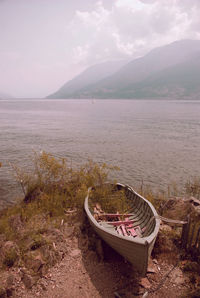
[[136, 250]]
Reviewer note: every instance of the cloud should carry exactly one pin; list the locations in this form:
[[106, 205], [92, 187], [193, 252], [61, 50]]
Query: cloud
[[42, 40], [131, 28], [93, 35], [89, 4], [100, 35]]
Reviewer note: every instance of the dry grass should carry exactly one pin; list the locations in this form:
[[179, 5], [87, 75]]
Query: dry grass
[[50, 190], [53, 187], [192, 187], [117, 201]]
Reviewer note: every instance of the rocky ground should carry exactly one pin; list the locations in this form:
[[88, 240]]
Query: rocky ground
[[83, 266]]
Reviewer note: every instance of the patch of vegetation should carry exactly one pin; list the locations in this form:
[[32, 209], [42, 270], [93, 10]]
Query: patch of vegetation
[[192, 187], [108, 199], [54, 194], [52, 189], [155, 198], [37, 241]]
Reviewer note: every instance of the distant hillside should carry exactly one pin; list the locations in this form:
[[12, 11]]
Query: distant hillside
[[179, 81], [169, 71], [88, 77]]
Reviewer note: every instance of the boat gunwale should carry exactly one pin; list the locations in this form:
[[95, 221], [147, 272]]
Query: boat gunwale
[[142, 241]]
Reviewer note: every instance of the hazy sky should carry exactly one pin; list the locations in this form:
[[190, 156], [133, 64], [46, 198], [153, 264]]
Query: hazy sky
[[44, 43]]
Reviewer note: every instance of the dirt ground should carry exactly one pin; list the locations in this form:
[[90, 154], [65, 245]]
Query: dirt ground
[[87, 272]]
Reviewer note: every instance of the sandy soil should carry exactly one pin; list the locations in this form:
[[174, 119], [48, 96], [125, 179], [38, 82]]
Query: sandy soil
[[85, 272]]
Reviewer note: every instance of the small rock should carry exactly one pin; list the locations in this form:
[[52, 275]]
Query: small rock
[[68, 231], [10, 281], [144, 282], [37, 264], [28, 281], [34, 262], [43, 287], [75, 253], [49, 255], [152, 268], [165, 228], [179, 280], [9, 245], [177, 277]]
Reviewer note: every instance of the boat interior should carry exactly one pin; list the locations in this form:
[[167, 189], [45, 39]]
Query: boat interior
[[137, 221]]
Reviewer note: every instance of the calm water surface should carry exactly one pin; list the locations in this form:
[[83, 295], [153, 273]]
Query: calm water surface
[[154, 141]]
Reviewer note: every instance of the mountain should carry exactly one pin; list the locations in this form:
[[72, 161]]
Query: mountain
[[88, 77], [179, 81], [168, 71]]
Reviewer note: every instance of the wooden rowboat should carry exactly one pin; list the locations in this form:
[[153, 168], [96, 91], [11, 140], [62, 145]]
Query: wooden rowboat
[[133, 237]]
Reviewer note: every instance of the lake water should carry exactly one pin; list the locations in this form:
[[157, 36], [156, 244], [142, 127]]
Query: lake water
[[150, 140]]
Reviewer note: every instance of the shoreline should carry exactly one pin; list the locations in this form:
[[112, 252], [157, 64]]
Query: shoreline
[[47, 236], [77, 253]]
